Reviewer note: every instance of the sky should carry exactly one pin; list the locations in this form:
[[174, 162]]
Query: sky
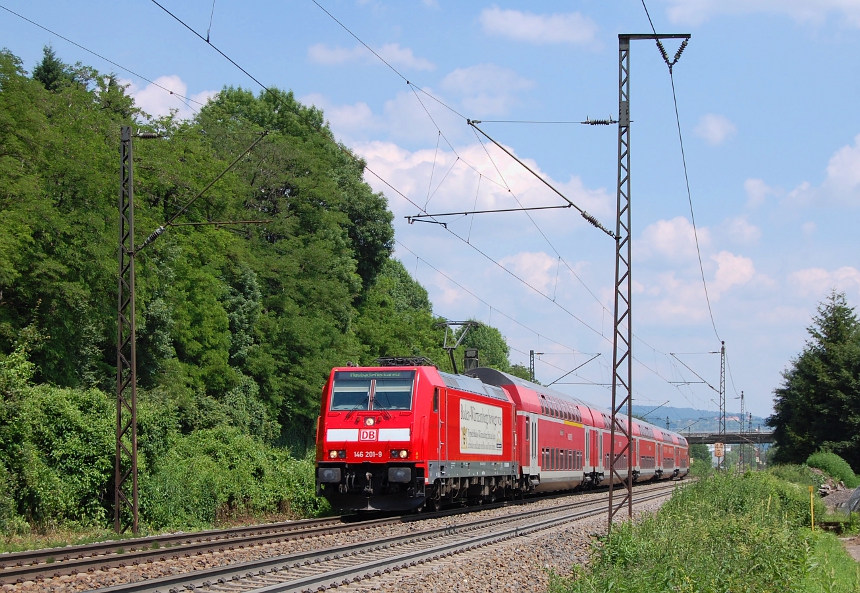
[[767, 103]]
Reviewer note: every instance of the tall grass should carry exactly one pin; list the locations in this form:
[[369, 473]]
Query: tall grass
[[722, 533]]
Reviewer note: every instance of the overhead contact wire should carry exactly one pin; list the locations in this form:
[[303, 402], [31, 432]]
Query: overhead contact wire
[[101, 57], [357, 160], [684, 161]]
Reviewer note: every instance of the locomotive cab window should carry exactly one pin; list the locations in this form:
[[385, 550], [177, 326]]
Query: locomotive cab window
[[369, 390]]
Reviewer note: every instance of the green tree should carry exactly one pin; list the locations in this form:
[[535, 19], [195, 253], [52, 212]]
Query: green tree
[[700, 452], [52, 72], [816, 405]]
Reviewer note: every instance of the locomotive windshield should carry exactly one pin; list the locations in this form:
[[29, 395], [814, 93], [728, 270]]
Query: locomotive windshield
[[372, 390]]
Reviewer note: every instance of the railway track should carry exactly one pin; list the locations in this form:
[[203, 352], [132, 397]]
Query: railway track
[[31, 565], [38, 565], [343, 565]]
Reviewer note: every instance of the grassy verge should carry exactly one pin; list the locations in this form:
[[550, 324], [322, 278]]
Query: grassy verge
[[723, 533]]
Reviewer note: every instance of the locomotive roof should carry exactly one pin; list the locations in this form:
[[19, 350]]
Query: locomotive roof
[[496, 377], [473, 385]]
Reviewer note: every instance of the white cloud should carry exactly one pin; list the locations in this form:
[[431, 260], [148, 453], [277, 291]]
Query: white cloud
[[538, 269], [344, 119], [157, 102], [539, 28], [455, 185], [843, 173], [715, 129], [757, 192], [740, 230], [732, 270], [808, 228], [694, 12], [392, 53], [817, 282], [401, 118], [486, 89], [672, 239], [841, 185]]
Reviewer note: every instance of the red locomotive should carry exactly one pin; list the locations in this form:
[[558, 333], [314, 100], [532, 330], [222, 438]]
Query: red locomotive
[[402, 437]]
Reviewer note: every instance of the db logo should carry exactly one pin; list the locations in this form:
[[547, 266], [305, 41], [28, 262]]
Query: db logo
[[367, 434]]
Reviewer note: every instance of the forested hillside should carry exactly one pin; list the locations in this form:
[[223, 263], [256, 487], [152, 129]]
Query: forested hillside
[[238, 326]]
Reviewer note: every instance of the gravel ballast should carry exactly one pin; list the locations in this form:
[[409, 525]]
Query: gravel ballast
[[522, 564]]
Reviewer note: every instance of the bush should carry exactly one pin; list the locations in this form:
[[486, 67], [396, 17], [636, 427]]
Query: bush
[[797, 474], [59, 445], [834, 466], [219, 473]]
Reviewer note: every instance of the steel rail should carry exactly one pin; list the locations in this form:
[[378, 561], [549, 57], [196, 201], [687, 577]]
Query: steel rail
[[111, 546], [267, 569], [73, 560], [18, 567]]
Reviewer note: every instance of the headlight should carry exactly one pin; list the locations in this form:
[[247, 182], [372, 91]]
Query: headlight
[[369, 421], [399, 453], [404, 454], [332, 454]]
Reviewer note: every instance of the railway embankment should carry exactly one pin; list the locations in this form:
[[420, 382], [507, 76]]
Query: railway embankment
[[748, 532]]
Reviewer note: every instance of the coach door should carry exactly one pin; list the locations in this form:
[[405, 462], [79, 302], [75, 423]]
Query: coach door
[[587, 442], [532, 426], [634, 462], [600, 440]]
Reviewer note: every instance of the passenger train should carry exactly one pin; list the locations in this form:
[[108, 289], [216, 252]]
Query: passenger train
[[409, 437]]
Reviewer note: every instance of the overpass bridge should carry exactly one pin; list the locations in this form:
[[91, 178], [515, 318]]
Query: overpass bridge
[[736, 438]]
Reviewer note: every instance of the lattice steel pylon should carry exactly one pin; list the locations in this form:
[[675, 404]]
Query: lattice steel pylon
[[125, 463], [722, 429], [620, 454]]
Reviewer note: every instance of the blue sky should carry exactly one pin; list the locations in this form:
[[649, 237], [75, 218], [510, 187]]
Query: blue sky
[[767, 94]]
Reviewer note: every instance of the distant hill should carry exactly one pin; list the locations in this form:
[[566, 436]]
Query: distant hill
[[693, 420]]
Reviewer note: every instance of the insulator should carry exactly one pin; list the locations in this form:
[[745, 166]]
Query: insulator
[[148, 135], [681, 49], [662, 51], [155, 234], [596, 223]]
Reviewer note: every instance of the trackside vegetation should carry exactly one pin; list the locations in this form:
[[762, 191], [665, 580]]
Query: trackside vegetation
[[238, 327], [834, 466], [746, 533]]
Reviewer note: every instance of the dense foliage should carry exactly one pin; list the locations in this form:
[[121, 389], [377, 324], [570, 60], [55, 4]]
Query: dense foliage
[[834, 466], [721, 533], [238, 326], [816, 405]]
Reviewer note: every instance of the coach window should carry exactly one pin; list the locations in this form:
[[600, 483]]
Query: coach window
[[528, 425], [436, 400]]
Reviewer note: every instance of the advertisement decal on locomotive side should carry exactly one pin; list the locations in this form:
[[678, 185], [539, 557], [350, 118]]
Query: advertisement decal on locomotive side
[[480, 428]]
